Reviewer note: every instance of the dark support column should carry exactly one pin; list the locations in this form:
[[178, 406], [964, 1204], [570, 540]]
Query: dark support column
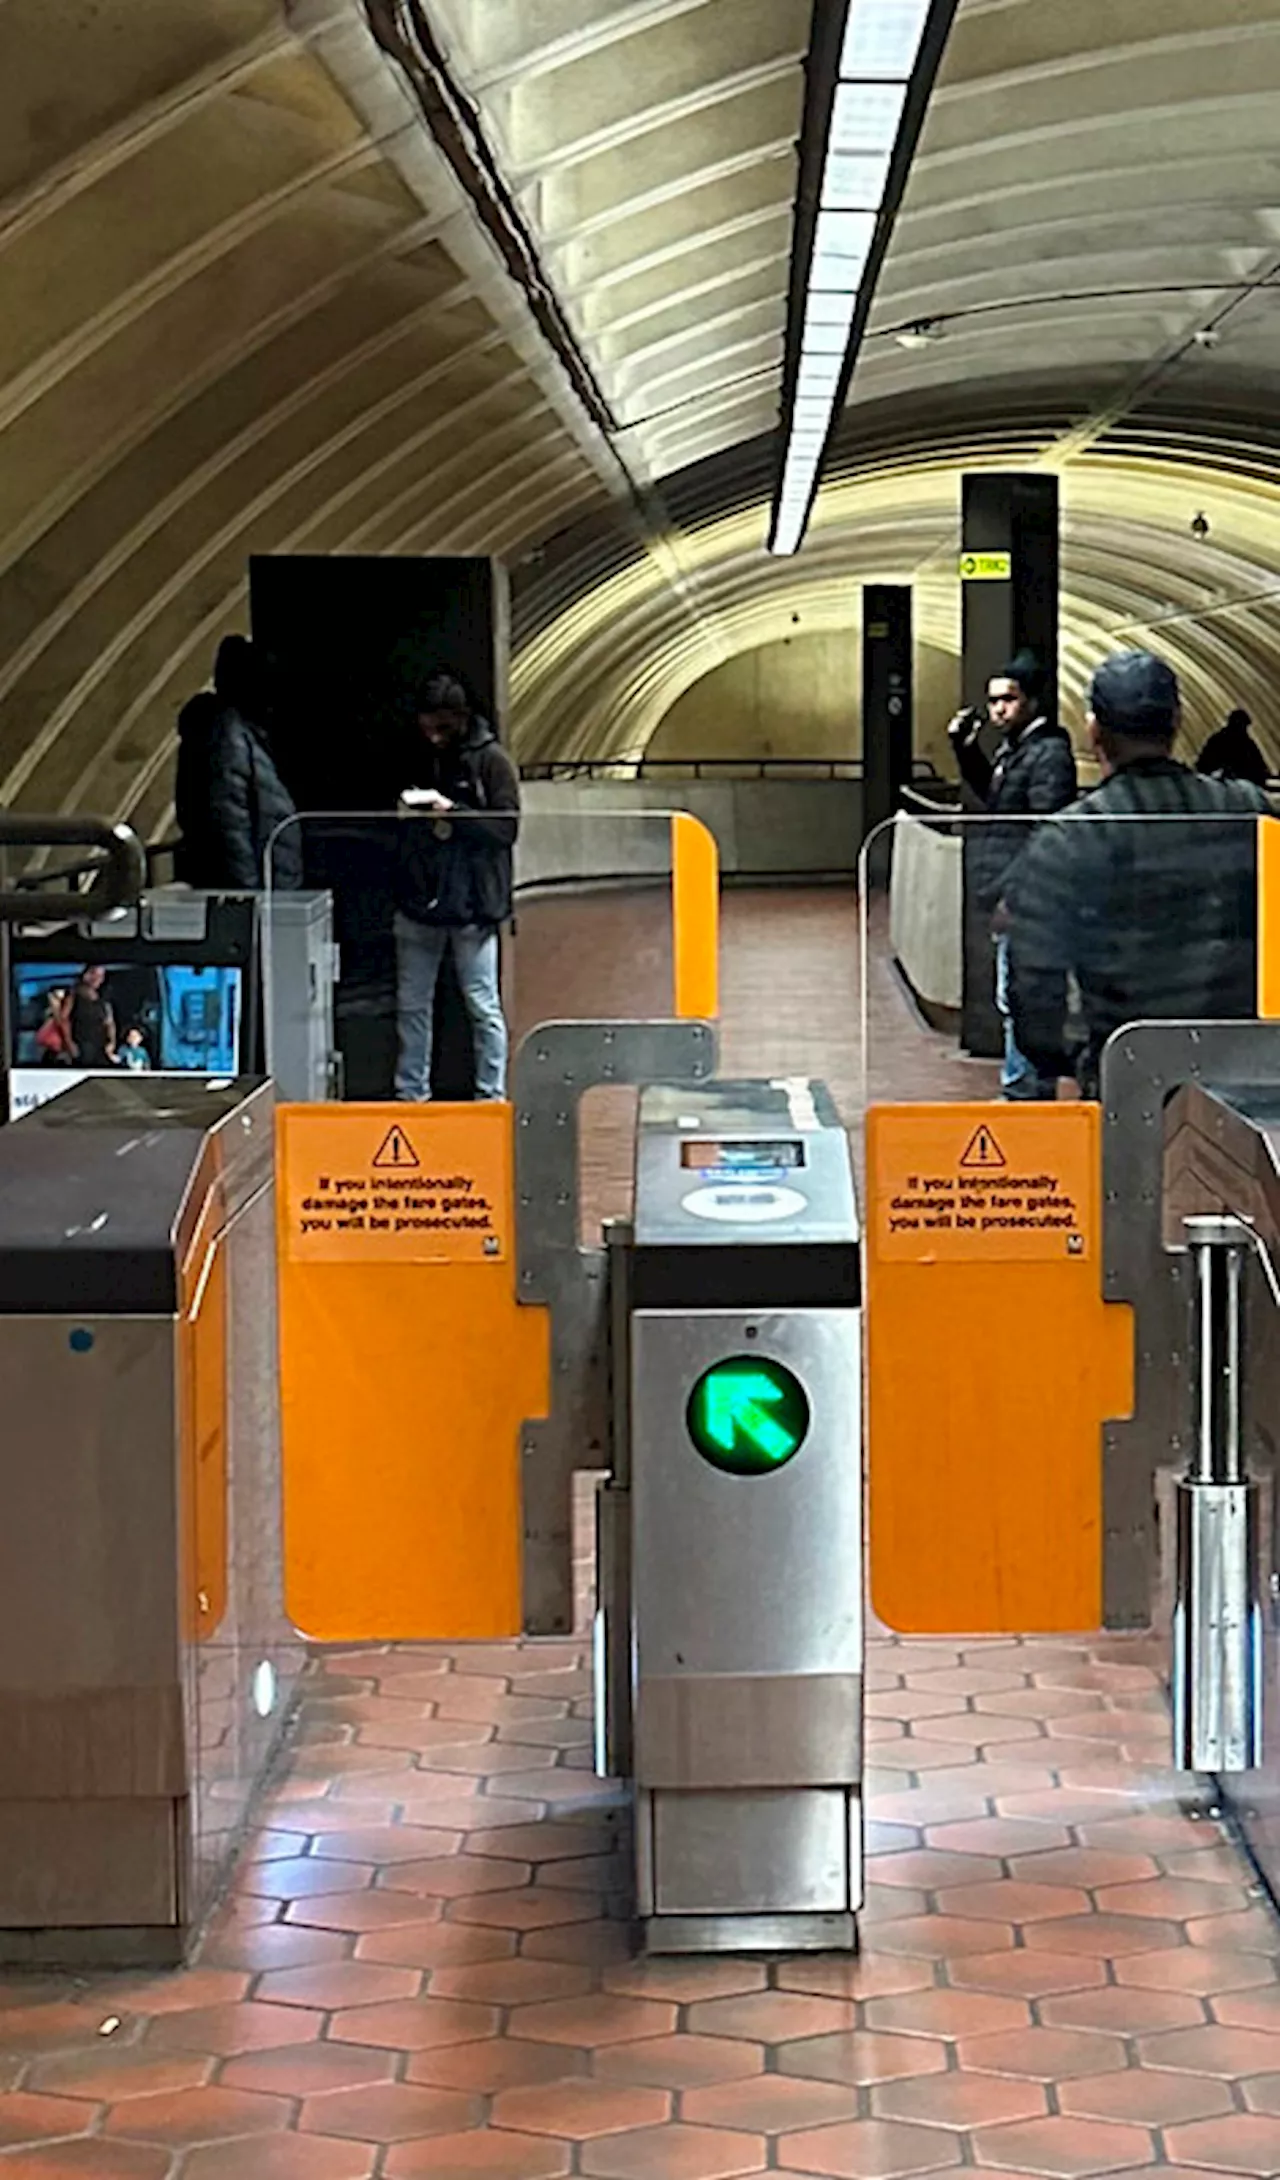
[[888, 710], [1009, 578]]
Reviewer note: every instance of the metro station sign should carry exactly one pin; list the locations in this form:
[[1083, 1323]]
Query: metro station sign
[[986, 567]]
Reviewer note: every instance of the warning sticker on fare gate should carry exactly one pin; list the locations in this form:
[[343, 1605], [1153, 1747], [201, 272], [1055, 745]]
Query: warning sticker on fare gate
[[982, 1184], [361, 1187]]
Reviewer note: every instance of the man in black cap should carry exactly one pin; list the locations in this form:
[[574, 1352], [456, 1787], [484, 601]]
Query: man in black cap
[[1232, 752], [1031, 774], [1154, 920]]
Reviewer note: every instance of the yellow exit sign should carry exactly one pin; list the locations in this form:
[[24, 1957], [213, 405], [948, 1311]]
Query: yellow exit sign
[[986, 567]]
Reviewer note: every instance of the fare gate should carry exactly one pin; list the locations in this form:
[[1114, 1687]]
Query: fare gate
[[731, 1654]]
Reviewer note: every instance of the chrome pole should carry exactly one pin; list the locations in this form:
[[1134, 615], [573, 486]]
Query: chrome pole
[[1217, 1633]]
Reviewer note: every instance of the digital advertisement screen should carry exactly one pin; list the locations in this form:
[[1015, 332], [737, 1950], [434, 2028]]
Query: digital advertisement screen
[[170, 1018]]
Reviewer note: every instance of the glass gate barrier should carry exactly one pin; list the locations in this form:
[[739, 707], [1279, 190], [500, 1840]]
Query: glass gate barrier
[[1014, 1471]]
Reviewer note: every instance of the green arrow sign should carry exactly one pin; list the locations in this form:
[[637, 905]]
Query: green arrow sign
[[748, 1416]]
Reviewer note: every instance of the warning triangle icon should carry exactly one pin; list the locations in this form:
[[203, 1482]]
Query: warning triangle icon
[[984, 1153], [397, 1153]]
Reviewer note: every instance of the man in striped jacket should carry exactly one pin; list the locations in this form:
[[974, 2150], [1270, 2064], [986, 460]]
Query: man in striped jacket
[[1144, 891]]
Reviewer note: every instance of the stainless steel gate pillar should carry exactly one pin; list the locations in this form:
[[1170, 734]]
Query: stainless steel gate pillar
[[1217, 1627]]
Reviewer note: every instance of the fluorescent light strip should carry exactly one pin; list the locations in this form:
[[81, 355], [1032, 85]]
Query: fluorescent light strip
[[879, 53]]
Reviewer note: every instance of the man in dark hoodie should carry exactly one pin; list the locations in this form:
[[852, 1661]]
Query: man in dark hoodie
[[229, 798], [454, 883], [1032, 773]]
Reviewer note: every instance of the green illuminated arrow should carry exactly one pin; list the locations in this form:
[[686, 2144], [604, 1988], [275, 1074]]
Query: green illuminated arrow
[[738, 1403]]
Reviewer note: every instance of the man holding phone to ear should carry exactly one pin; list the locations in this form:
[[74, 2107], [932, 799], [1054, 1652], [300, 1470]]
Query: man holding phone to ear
[[1031, 774], [453, 886]]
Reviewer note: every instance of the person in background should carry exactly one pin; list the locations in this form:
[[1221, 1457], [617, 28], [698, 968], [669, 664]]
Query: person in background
[[93, 1025], [1153, 921], [229, 799], [453, 886], [133, 1053], [1232, 753], [53, 1038], [1032, 774]]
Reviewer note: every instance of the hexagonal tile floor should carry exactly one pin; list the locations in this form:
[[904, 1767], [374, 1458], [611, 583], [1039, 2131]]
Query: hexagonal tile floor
[[423, 1966]]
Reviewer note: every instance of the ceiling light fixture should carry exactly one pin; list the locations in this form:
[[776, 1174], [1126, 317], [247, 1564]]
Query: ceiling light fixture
[[872, 65], [922, 335]]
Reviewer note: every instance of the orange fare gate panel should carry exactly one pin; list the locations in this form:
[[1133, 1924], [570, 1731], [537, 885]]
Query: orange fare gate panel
[[407, 1366], [992, 1364]]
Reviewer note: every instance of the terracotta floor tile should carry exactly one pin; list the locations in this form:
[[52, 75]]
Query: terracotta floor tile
[[433, 1945], [683, 1982], [106, 2077], [226, 2030], [389, 2112], [1254, 1929], [1008, 1901], [869, 2149], [303, 1877], [996, 1836], [942, 1937], [1043, 2055], [1086, 1866], [281, 2157], [179, 2118], [458, 1876], [1063, 2149], [534, 1907], [499, 2062], [551, 1841], [30, 2117], [511, 1982], [414, 2024], [1024, 1974], [674, 2153], [861, 2056], [771, 2017], [1177, 1898], [770, 2104], [1148, 2098], [576, 2110], [179, 1990], [1108, 1937], [949, 2014], [487, 2154], [303, 2070], [603, 1943], [92, 2158], [932, 1869], [1262, 2093], [1205, 1972], [1250, 2009], [49, 2028], [273, 1945], [1244, 2142], [590, 2022], [356, 1912], [1217, 2050], [960, 2100], [1209, 1866], [680, 2062], [1122, 2011], [979, 1729], [383, 1843], [865, 1975], [903, 1703], [339, 1983]]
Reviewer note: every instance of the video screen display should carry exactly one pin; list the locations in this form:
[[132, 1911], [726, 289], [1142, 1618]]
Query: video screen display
[[126, 1015], [703, 1157]]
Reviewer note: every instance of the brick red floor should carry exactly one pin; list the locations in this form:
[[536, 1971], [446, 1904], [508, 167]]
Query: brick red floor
[[423, 1966]]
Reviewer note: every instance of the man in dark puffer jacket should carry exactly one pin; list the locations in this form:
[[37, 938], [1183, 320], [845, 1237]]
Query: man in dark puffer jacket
[[1032, 774], [229, 798]]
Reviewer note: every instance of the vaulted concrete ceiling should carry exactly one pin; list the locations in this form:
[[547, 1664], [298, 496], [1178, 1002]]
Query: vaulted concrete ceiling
[[246, 304]]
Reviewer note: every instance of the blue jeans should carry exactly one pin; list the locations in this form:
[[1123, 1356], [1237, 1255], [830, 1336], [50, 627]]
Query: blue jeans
[[420, 949], [1018, 1078]]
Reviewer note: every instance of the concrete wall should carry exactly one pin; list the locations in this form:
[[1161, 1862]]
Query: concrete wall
[[801, 698], [763, 828]]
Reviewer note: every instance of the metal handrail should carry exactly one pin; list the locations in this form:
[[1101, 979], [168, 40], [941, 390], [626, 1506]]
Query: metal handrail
[[117, 880]]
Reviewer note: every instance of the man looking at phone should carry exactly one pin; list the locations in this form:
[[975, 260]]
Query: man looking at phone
[[453, 886], [1032, 773]]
